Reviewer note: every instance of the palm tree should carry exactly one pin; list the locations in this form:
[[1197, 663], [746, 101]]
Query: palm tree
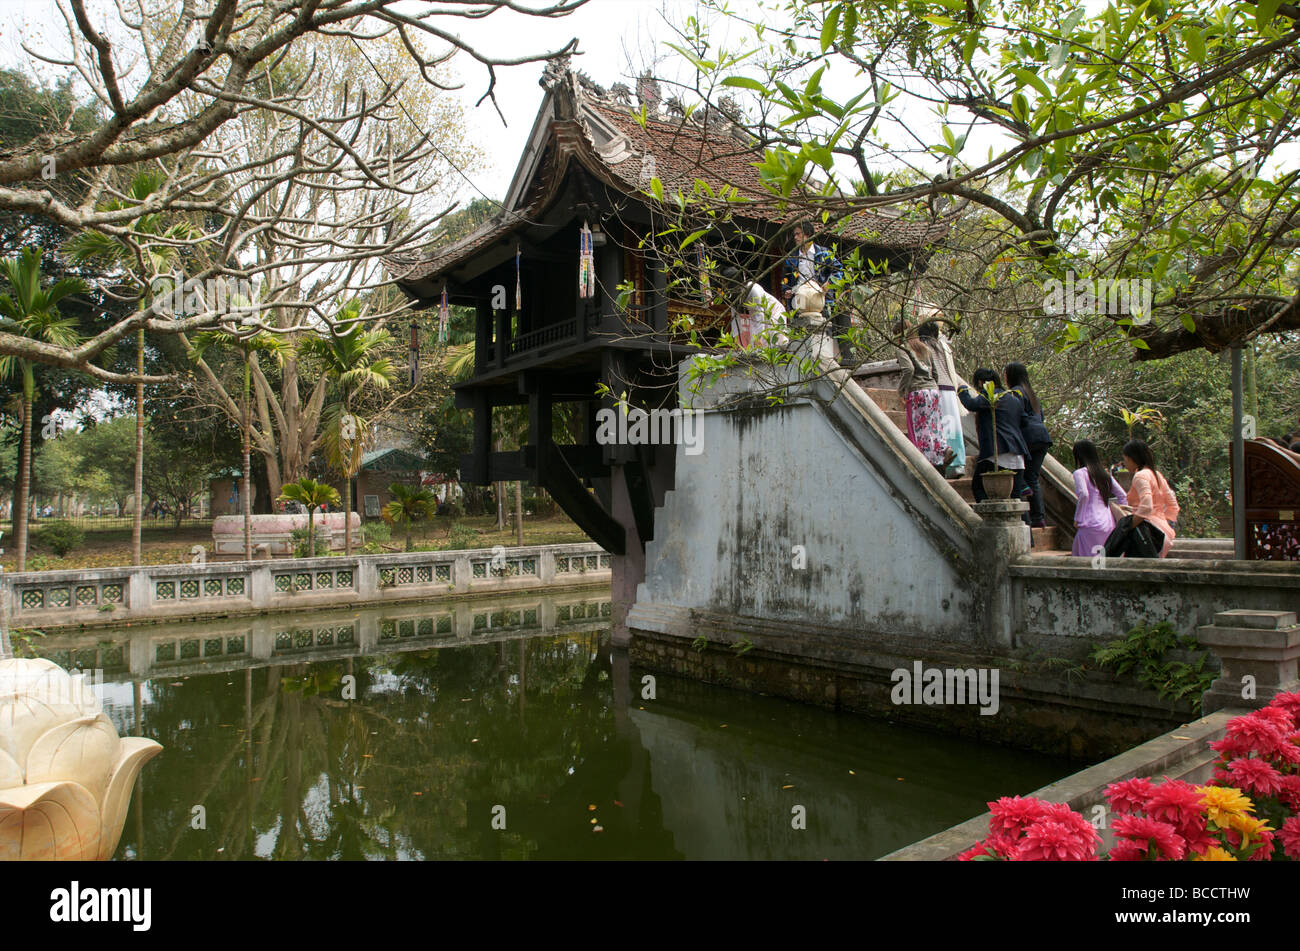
[[312, 494], [351, 363], [28, 311], [409, 506], [247, 345], [146, 243]]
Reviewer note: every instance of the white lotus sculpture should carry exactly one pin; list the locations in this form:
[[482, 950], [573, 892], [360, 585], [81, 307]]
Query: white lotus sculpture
[[65, 775]]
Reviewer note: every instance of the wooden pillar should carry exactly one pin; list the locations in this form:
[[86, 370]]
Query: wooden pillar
[[481, 447], [1238, 463], [502, 342], [482, 334]]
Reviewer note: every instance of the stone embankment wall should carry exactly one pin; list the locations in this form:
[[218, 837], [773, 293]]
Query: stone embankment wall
[[105, 596]]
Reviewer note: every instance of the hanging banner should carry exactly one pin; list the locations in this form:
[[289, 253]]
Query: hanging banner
[[586, 263], [519, 287], [444, 317]]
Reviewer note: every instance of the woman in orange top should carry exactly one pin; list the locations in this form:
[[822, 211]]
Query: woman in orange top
[[1150, 496]]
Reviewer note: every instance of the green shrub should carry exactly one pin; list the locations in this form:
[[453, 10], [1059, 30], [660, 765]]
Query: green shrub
[[378, 532], [543, 506], [299, 537], [461, 537], [1143, 653], [61, 537]]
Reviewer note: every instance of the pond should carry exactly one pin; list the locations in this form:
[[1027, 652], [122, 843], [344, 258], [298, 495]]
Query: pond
[[522, 740]]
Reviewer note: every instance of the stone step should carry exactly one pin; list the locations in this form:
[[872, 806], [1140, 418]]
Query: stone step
[[898, 418], [1047, 539]]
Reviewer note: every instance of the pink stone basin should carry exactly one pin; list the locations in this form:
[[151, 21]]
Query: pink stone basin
[[276, 531]]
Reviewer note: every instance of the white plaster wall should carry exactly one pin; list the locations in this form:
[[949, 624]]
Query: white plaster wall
[[769, 479]]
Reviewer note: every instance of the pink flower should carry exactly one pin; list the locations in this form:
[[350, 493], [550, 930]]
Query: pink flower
[[1130, 795], [1051, 840], [1232, 746], [1265, 851], [1290, 794], [1262, 734], [1174, 801], [1141, 829], [1255, 775], [987, 847], [1278, 716], [1127, 850], [1290, 702], [1013, 814], [1290, 836]]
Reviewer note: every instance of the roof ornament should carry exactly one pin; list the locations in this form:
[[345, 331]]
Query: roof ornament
[[556, 71], [647, 91], [621, 94], [675, 108]]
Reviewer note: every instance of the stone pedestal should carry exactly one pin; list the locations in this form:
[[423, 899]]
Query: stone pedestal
[[1264, 645], [999, 539]]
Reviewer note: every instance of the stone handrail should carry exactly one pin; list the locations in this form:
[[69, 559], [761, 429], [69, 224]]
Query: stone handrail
[[103, 596]]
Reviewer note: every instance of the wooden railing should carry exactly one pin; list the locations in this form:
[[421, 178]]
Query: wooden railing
[[1272, 502]]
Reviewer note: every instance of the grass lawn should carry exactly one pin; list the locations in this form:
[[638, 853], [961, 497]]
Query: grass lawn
[[108, 548]]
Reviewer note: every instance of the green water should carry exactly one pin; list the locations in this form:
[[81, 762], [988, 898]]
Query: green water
[[514, 742]]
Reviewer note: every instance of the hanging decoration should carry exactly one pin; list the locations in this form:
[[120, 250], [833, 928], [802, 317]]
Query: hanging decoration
[[519, 286], [704, 273], [444, 317], [586, 263], [413, 356]]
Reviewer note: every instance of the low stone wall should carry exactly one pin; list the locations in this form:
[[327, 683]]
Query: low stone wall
[[105, 596], [1064, 603], [1182, 753]]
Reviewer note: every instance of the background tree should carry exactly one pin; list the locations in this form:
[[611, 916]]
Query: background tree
[[409, 505], [313, 495], [28, 310]]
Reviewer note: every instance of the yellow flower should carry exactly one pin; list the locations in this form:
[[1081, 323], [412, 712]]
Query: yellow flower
[[1248, 826], [1221, 802], [1215, 854]]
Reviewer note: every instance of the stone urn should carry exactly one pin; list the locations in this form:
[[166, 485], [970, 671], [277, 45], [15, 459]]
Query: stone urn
[[808, 301], [998, 484], [65, 775]]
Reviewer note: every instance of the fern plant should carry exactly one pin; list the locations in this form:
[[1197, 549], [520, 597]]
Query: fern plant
[[1142, 653]]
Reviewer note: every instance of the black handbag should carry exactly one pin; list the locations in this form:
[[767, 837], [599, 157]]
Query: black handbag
[[1127, 541]]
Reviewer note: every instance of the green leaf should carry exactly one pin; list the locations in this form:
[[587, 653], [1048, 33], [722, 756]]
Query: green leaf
[[1189, 322], [850, 24], [1057, 56], [1139, 343], [968, 48], [693, 236], [657, 187], [1028, 77], [830, 27], [1265, 10], [744, 82], [1072, 21], [1195, 43]]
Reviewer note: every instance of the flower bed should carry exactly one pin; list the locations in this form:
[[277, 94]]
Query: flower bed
[[1250, 811]]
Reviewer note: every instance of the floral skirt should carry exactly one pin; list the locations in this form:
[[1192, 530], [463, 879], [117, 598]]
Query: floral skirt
[[925, 425]]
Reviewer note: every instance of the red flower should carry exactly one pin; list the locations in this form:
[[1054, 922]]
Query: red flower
[[1013, 814], [1290, 702], [1051, 840], [1262, 734], [1254, 775], [1127, 850], [1130, 795], [1290, 836], [1174, 801], [979, 849], [1290, 794], [1278, 716], [1232, 746], [1265, 851], [1166, 839]]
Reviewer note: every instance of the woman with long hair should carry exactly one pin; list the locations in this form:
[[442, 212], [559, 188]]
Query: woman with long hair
[[919, 388], [1036, 438], [1149, 494], [931, 334], [1095, 489]]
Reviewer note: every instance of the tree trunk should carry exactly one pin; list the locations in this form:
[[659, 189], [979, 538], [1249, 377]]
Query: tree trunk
[[311, 532], [499, 489], [24, 485], [245, 475], [138, 515], [408, 534], [347, 480], [519, 513]]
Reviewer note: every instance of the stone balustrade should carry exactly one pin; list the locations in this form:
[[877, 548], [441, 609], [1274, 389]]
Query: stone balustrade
[[100, 596]]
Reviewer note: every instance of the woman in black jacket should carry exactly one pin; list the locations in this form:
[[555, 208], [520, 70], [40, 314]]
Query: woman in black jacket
[[1008, 450], [1036, 438]]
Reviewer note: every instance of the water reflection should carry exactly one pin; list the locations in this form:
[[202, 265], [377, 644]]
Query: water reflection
[[408, 741]]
